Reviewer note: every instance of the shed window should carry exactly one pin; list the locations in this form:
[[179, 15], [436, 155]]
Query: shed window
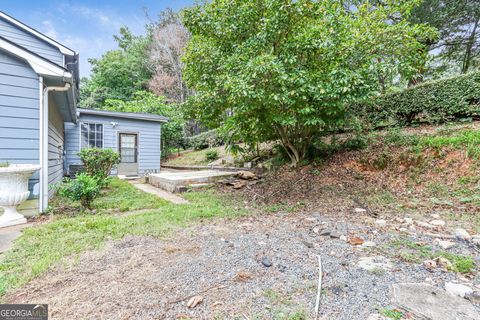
[[92, 135]]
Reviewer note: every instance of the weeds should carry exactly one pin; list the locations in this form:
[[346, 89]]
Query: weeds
[[392, 314], [413, 252]]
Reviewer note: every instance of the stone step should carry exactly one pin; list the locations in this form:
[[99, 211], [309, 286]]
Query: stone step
[[180, 180]]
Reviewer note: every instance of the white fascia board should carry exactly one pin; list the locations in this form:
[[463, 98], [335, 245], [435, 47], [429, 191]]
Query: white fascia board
[[62, 48], [39, 65]]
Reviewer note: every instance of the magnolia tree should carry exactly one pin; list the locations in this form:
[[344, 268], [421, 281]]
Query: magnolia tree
[[285, 70]]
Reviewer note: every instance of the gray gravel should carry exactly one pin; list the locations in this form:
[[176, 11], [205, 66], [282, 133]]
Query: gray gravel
[[146, 278]]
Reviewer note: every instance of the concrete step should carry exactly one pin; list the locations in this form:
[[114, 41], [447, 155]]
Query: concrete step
[[180, 180]]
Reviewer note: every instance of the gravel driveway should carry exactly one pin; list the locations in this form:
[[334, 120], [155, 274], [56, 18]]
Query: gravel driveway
[[225, 262]]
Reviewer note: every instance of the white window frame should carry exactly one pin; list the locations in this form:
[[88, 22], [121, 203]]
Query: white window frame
[[80, 134]]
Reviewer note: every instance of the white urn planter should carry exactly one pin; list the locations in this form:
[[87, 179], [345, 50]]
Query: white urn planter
[[14, 191]]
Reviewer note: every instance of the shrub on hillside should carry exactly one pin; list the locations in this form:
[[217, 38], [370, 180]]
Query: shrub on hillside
[[212, 155], [99, 162], [83, 188], [432, 101], [205, 140]]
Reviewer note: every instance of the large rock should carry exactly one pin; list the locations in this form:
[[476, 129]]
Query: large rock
[[246, 175], [462, 234], [458, 289], [445, 244], [431, 303], [374, 263], [437, 223]]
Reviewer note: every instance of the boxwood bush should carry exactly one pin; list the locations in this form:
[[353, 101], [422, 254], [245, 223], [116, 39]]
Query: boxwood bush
[[432, 102], [99, 162]]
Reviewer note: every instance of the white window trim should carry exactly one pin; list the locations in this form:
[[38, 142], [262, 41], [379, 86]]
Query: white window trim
[[80, 133]]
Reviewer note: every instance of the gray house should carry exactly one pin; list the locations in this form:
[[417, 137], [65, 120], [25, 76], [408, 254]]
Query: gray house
[[136, 136], [40, 122]]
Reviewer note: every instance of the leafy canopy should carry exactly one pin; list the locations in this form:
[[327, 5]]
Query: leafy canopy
[[282, 69], [119, 73], [147, 102]]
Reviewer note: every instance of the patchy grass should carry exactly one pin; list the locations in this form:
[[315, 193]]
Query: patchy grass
[[285, 307], [462, 139], [392, 314], [198, 158], [118, 195], [468, 139], [42, 247], [412, 252]]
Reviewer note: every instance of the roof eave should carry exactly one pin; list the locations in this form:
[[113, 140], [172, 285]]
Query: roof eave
[[63, 49], [129, 115], [40, 65]]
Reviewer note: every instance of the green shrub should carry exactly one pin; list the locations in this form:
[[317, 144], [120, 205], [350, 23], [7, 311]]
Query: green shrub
[[83, 188], [212, 155], [432, 101], [4, 164], [99, 162], [205, 140]]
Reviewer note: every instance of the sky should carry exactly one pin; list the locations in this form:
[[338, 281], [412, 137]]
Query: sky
[[87, 26]]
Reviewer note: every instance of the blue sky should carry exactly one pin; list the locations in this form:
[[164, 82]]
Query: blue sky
[[87, 26]]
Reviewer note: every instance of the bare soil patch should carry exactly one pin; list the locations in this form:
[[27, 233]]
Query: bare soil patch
[[223, 263]]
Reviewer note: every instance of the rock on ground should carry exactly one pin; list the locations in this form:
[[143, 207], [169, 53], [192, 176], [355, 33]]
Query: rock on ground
[[429, 302], [458, 289]]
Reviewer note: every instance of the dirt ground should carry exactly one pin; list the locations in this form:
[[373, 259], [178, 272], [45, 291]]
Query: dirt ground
[[226, 263]]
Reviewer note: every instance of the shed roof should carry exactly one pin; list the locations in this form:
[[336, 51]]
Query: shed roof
[[128, 115]]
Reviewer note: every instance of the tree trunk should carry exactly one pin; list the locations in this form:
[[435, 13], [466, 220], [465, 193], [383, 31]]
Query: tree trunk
[[289, 147], [468, 53]]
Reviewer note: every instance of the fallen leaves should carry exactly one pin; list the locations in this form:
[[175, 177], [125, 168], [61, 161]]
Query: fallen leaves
[[194, 301], [242, 276], [356, 241]]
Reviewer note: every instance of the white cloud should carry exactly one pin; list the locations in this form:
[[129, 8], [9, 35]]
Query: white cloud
[[98, 16], [49, 29]]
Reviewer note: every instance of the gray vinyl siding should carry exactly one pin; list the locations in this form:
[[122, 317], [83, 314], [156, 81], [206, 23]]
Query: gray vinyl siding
[[30, 42], [55, 157], [149, 137], [19, 114]]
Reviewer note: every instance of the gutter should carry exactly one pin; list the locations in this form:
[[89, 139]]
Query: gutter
[[44, 139]]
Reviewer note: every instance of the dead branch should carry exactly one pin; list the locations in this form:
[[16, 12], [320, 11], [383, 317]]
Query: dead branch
[[319, 290]]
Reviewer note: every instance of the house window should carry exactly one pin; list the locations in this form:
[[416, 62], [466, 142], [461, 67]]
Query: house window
[[91, 135]]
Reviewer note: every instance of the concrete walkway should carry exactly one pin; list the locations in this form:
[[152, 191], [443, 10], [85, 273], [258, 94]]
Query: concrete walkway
[[158, 192], [9, 234]]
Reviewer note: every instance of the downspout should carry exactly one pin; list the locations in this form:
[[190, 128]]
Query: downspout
[[44, 140]]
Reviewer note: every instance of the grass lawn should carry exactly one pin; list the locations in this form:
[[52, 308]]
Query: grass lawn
[[42, 247], [194, 157]]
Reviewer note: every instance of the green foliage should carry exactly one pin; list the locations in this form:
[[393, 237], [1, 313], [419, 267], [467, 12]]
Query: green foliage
[[434, 101], [392, 314], [284, 70], [147, 102], [407, 249], [98, 163], [462, 264], [119, 73], [84, 188], [4, 164], [468, 140], [212, 155], [457, 49], [205, 140]]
